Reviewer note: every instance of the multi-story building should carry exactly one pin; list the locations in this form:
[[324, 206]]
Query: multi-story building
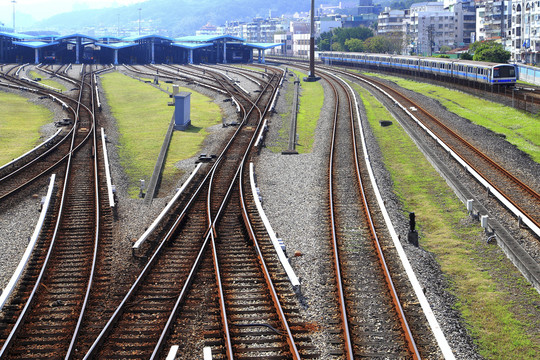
[[390, 21], [525, 34], [465, 18], [427, 27], [493, 20], [285, 38], [301, 44]]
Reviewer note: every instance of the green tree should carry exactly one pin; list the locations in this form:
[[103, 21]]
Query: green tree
[[489, 51], [323, 44], [338, 36], [382, 45], [354, 45], [465, 56]]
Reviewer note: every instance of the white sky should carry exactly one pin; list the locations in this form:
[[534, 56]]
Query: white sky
[[42, 9]]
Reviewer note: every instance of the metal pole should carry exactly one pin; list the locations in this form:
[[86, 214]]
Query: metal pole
[[312, 41], [311, 76], [13, 2], [139, 21]]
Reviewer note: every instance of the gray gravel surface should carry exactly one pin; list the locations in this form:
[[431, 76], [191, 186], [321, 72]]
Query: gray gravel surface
[[293, 190]]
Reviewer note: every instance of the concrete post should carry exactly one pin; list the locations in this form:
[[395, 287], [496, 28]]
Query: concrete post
[[36, 56], [77, 51], [153, 62], [190, 58], [115, 56], [263, 62], [224, 52], [259, 60]]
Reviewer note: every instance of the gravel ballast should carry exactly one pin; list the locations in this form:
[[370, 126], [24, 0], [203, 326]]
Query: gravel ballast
[[293, 191]]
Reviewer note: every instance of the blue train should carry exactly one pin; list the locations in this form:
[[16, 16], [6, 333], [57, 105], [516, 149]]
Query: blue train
[[480, 72]]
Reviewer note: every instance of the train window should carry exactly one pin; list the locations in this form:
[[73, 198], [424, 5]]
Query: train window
[[504, 71]]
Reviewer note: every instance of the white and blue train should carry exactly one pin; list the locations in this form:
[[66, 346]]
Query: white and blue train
[[479, 72]]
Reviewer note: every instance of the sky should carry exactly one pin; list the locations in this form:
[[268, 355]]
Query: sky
[[42, 9]]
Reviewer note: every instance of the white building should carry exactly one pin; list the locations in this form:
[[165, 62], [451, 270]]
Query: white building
[[525, 33], [465, 18], [390, 21], [493, 20], [428, 26]]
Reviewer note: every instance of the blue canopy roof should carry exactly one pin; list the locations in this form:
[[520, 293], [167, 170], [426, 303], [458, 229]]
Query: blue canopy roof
[[72, 36], [264, 46], [207, 38], [118, 45], [17, 36], [136, 38], [191, 45], [34, 44]]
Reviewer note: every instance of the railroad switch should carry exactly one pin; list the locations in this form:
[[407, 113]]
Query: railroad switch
[[205, 158]]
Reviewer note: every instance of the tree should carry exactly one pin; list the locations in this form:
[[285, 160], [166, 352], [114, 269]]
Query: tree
[[489, 51], [355, 45], [444, 49], [337, 37], [465, 56], [382, 45]]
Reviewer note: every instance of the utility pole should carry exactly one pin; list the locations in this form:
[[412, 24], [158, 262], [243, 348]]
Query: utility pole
[[311, 76], [139, 21], [431, 30], [13, 2]]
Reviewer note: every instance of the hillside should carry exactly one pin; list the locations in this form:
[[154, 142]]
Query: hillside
[[177, 17]]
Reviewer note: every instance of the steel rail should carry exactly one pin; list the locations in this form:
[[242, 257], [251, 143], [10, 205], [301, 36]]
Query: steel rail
[[367, 212], [467, 144], [180, 218], [39, 158], [335, 246], [97, 232], [24, 313], [209, 236]]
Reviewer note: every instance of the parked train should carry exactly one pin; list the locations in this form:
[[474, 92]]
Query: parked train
[[481, 72]]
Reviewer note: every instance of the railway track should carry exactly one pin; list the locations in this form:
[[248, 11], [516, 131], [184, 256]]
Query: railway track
[[370, 323], [152, 305], [37, 164], [45, 318], [516, 191]]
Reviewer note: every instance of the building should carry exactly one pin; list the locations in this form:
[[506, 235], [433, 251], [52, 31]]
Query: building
[[390, 21], [493, 20], [465, 18], [286, 49], [427, 27], [80, 48], [525, 31]]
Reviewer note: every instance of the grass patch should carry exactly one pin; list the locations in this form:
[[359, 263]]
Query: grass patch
[[492, 296], [309, 110], [34, 75], [143, 117], [520, 128], [20, 122]]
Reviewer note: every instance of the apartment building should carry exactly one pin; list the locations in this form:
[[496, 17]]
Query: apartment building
[[428, 26], [525, 33]]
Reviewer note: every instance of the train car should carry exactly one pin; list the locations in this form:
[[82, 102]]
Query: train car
[[49, 57], [478, 72]]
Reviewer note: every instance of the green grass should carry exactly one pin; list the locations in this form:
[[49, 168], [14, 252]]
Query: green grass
[[310, 104], [490, 291], [143, 117], [519, 128], [20, 122], [34, 75]]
